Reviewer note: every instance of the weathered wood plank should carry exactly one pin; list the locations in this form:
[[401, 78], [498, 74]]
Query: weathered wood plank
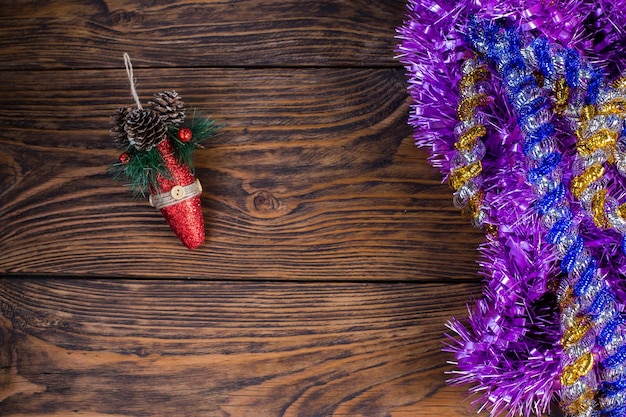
[[210, 33], [148, 348], [326, 228], [314, 176]]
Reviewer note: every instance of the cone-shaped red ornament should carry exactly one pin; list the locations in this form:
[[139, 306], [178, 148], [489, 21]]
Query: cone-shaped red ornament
[[155, 161], [178, 198]]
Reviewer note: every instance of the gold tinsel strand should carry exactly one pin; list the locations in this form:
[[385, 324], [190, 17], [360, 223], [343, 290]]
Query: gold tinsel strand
[[603, 138], [567, 299], [469, 134], [597, 209], [621, 211], [577, 369], [587, 113], [561, 93], [580, 183], [576, 332], [476, 75], [468, 139], [461, 175], [472, 209], [613, 107], [583, 403], [466, 108], [620, 83]]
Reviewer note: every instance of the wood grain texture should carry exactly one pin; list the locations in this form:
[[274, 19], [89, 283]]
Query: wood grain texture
[[210, 33], [146, 348], [333, 257], [314, 176]]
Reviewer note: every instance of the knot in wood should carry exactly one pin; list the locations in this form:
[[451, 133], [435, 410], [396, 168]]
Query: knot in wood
[[265, 205], [265, 202]]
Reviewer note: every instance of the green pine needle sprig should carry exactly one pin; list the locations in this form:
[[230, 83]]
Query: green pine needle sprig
[[141, 171], [202, 128], [144, 167]]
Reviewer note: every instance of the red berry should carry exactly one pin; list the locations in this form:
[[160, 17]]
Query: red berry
[[184, 134], [124, 158]]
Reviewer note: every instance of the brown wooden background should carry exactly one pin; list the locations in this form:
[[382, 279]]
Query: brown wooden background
[[333, 255]]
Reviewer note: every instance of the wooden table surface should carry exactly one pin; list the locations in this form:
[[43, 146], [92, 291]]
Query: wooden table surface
[[333, 256]]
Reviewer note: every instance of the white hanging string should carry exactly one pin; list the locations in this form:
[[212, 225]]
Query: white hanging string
[[131, 78]]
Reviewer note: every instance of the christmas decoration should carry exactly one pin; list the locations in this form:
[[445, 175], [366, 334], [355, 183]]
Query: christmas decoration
[[522, 107], [185, 134], [158, 141]]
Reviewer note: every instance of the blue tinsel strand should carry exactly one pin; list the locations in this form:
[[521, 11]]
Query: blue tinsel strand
[[585, 280], [572, 66], [612, 388], [503, 48], [548, 164], [542, 53], [557, 232]]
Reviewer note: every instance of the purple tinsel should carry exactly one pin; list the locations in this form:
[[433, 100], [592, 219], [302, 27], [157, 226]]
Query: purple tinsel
[[432, 46], [508, 347]]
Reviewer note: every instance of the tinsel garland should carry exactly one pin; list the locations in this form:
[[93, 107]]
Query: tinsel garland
[[533, 150]]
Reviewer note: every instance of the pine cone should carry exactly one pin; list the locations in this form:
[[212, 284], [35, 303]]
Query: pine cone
[[117, 127], [170, 107], [144, 129]]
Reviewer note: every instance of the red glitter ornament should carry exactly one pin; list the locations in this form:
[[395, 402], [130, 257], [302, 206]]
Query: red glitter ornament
[[124, 158], [185, 216], [159, 163], [184, 134]]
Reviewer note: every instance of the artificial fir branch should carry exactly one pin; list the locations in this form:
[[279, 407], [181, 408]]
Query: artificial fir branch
[[141, 168], [202, 128], [140, 171]]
